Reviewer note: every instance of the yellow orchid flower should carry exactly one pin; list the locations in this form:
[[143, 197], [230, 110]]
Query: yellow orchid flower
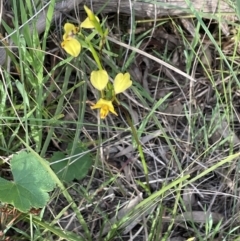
[[89, 12], [121, 82], [91, 21], [105, 106], [70, 44], [87, 23], [99, 79], [70, 30]]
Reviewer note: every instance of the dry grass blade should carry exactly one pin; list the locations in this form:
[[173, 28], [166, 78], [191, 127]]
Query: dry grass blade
[[157, 60]]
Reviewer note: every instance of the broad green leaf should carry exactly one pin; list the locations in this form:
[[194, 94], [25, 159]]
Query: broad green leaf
[[76, 166], [30, 184]]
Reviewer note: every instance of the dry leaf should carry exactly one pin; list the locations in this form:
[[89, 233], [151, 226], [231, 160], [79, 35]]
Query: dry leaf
[[175, 58], [189, 26], [143, 140], [224, 131], [200, 217], [2, 55], [175, 109], [225, 28], [120, 214], [188, 198], [206, 57], [176, 239]]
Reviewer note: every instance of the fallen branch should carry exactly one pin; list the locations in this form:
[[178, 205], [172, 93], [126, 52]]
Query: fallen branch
[[140, 8]]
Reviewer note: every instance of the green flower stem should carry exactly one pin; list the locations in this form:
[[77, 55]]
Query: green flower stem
[[98, 27], [114, 99], [139, 146], [102, 94], [103, 39]]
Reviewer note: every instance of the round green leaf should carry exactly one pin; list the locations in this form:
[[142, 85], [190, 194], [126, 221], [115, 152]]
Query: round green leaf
[[30, 184]]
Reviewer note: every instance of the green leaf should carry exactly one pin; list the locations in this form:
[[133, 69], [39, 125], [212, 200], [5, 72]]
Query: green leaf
[[30, 184], [76, 166]]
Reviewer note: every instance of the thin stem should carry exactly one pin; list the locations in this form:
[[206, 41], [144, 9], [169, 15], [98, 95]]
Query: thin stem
[[139, 146]]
